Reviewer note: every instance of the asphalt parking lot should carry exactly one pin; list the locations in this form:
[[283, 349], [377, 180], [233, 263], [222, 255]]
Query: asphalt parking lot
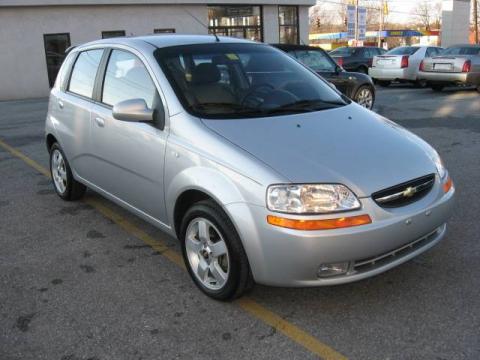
[[87, 280]]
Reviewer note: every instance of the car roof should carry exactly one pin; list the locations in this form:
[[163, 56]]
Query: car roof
[[287, 47], [166, 40], [465, 46]]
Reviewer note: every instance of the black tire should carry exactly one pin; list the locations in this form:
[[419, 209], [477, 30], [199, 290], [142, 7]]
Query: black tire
[[363, 70], [239, 278], [73, 190], [383, 83], [478, 88], [437, 88], [421, 84]]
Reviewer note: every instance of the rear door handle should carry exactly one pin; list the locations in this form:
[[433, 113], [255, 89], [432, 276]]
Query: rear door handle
[[100, 122], [60, 104]]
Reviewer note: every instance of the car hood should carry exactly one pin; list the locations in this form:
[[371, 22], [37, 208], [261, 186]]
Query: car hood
[[348, 145]]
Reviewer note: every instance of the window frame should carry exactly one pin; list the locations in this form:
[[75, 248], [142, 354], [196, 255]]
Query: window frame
[[297, 25], [51, 85]]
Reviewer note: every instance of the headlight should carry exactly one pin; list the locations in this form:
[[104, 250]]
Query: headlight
[[311, 199], [442, 171]]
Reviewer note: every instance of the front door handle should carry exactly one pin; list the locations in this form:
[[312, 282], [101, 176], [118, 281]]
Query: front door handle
[[60, 104], [100, 122]]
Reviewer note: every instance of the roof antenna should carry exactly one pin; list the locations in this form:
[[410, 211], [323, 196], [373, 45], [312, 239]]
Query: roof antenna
[[201, 23]]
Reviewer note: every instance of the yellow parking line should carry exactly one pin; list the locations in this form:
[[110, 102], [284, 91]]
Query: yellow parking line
[[290, 330]]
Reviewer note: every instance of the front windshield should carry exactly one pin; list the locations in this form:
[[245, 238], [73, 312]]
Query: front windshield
[[225, 80], [403, 50], [461, 51]]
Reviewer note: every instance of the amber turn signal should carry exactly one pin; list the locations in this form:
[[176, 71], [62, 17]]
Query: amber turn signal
[[324, 224], [447, 185]]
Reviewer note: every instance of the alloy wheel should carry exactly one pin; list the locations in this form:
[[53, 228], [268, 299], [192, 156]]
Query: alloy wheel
[[59, 171], [207, 253], [365, 98]]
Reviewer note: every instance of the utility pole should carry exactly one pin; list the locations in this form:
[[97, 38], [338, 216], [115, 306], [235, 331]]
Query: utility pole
[[382, 20], [475, 20], [356, 23]]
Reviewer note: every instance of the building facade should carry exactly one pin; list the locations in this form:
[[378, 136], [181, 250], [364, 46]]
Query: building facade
[[34, 34]]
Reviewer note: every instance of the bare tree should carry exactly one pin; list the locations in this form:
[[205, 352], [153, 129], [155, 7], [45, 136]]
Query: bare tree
[[429, 15]]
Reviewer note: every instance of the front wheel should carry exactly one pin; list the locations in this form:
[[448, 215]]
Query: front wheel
[[65, 185], [213, 252], [365, 97]]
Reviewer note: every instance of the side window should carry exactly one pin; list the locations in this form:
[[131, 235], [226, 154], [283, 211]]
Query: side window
[[127, 78], [84, 71]]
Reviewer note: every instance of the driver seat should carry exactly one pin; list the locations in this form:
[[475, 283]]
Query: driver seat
[[206, 86]]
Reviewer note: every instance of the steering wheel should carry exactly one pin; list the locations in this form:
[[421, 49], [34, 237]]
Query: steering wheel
[[254, 97]]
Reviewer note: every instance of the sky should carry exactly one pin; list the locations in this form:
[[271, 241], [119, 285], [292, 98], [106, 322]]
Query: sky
[[400, 10]]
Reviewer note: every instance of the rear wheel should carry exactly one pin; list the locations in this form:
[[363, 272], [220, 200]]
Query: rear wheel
[[65, 185], [213, 252], [363, 70], [365, 97], [437, 88], [383, 83], [421, 84]]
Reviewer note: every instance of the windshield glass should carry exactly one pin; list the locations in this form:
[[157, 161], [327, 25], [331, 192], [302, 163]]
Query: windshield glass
[[403, 50], [461, 51], [316, 60], [344, 51], [225, 80]]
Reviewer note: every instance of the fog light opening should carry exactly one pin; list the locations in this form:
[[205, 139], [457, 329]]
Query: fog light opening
[[333, 269]]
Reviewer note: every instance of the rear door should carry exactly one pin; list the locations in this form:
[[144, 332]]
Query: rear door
[[72, 107], [129, 156]]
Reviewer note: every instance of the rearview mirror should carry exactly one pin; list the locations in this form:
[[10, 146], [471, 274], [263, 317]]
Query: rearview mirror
[[134, 110]]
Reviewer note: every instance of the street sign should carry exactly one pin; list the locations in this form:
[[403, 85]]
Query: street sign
[[351, 15], [362, 23]]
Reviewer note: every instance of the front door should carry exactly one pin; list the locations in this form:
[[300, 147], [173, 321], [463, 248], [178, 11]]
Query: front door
[[129, 156]]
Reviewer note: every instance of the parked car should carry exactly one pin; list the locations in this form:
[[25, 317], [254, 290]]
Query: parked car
[[456, 65], [357, 59], [358, 87], [264, 176], [401, 64]]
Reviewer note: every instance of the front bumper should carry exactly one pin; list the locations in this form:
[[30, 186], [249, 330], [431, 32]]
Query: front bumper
[[285, 257], [450, 78], [390, 74]]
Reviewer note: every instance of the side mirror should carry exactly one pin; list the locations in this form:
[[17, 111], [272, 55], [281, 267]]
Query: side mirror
[[338, 69], [135, 110]]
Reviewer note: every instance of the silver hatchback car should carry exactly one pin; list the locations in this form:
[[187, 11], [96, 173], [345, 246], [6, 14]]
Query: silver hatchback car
[[264, 174]]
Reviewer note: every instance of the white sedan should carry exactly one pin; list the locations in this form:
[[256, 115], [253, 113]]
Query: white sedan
[[401, 64]]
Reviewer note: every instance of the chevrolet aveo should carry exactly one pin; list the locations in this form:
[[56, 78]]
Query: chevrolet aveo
[[266, 176]]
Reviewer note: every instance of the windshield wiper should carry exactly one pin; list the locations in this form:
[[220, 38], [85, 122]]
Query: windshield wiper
[[306, 106]]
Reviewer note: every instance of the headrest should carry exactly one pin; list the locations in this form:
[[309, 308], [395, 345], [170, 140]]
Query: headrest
[[205, 73]]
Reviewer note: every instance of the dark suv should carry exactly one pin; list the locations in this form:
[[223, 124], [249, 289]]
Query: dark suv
[[357, 59], [358, 87]]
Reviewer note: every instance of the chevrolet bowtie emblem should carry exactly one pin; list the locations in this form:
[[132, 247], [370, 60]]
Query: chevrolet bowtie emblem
[[409, 192]]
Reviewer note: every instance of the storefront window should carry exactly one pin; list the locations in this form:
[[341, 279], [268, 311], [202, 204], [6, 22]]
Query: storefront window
[[113, 34], [55, 47], [288, 22], [236, 21]]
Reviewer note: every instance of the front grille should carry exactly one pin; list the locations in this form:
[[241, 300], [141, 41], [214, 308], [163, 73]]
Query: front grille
[[405, 193], [385, 258]]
